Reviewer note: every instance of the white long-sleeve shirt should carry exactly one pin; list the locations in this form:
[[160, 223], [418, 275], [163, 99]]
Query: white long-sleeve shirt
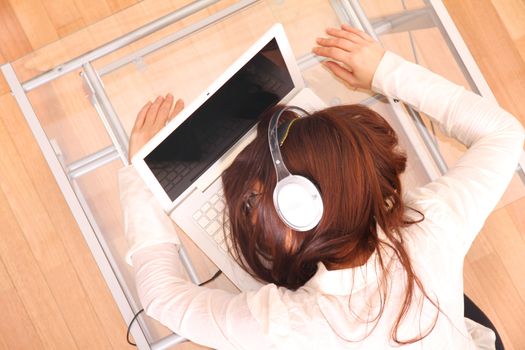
[[321, 314]]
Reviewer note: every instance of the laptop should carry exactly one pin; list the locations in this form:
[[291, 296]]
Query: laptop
[[182, 164]]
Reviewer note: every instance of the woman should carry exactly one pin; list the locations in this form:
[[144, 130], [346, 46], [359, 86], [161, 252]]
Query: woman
[[383, 268]]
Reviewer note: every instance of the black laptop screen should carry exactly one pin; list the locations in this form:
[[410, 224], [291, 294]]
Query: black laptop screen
[[221, 121]]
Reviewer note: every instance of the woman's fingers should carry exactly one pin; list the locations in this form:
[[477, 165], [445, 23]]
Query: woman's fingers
[[345, 35], [357, 32], [153, 111], [151, 118], [334, 53], [179, 106], [164, 111], [155, 115], [342, 44], [356, 55], [341, 72], [139, 122]]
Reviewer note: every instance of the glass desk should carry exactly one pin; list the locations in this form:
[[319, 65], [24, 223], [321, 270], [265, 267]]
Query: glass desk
[[81, 106]]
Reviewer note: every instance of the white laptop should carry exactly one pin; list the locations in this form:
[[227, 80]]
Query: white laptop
[[183, 163]]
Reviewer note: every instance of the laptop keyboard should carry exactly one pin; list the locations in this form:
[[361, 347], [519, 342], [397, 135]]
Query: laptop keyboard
[[169, 174], [211, 218], [213, 137], [268, 81]]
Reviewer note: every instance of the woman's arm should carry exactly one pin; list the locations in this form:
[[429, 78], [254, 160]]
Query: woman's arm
[[145, 223], [472, 187], [206, 316], [210, 317]]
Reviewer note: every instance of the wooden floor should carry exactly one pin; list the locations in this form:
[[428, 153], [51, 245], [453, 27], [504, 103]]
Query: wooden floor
[[51, 291]]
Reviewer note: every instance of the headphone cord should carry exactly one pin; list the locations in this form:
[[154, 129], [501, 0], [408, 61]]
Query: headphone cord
[[217, 274]]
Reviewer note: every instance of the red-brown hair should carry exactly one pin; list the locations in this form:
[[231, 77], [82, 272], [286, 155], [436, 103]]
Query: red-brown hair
[[351, 154]]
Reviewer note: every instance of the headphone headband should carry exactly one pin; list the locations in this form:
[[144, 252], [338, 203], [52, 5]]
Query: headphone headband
[[296, 199], [273, 140]]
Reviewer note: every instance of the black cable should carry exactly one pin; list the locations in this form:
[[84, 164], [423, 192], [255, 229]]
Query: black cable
[[217, 274], [129, 327], [212, 278]]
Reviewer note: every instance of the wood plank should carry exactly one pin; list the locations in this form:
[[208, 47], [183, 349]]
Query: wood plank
[[16, 327], [3, 345], [14, 42], [476, 292], [504, 298], [504, 236], [4, 88], [520, 46], [493, 50], [118, 5], [65, 16], [93, 11], [28, 279], [35, 22], [76, 308], [82, 281], [27, 208], [497, 273], [44, 241], [512, 13], [132, 17], [516, 211]]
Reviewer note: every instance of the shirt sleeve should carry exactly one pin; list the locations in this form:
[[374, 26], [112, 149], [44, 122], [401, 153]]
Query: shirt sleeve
[[211, 317], [145, 223], [472, 187]]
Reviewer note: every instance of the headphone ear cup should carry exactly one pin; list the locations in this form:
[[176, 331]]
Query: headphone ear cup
[[298, 202], [296, 199]]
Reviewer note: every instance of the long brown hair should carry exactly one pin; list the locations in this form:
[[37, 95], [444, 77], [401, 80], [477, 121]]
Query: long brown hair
[[352, 155]]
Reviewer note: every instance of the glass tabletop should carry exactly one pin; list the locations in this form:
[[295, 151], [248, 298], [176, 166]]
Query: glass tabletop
[[186, 57]]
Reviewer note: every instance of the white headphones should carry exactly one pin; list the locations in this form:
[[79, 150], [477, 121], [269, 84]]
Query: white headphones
[[296, 199]]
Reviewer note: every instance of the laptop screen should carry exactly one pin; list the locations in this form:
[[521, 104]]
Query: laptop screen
[[221, 121]]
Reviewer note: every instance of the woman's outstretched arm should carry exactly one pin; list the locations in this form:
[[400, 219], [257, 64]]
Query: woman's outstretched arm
[[206, 316], [473, 186]]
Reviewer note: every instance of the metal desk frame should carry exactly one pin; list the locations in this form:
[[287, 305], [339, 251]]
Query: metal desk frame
[[349, 11]]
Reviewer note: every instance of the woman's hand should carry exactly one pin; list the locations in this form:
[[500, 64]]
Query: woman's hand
[[151, 118], [357, 55]]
